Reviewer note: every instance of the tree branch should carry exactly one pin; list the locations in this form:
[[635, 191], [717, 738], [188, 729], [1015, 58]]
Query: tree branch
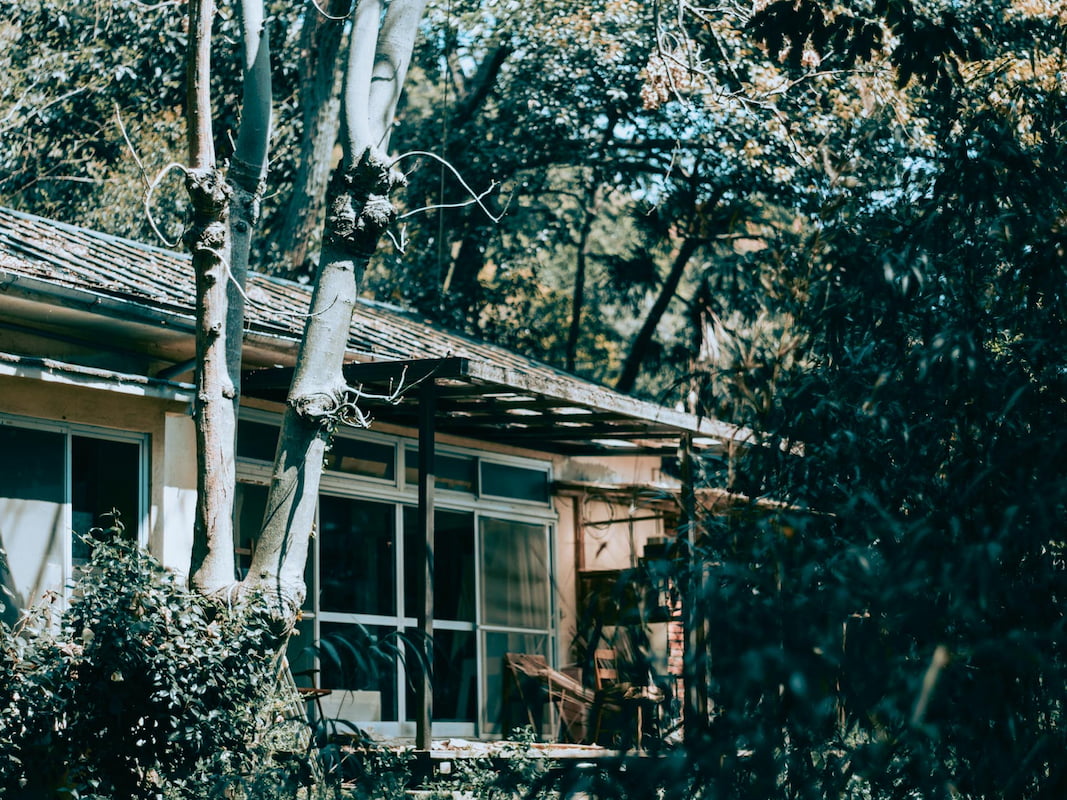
[[396, 42], [198, 85], [482, 83], [355, 97]]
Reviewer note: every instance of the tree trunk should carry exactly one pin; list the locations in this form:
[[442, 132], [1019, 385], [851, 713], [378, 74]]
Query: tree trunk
[[248, 169], [632, 366], [589, 212], [461, 290], [320, 43], [209, 242], [225, 215], [359, 210]]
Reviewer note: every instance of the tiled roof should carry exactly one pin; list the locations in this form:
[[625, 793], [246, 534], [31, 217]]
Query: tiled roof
[[155, 280]]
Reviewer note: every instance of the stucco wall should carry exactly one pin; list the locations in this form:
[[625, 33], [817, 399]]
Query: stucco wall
[[172, 476]]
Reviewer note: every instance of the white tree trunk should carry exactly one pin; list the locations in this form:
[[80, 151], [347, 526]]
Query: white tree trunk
[[359, 210], [209, 242], [225, 216]]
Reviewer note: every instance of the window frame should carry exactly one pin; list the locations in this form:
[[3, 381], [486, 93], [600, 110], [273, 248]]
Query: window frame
[[402, 493], [70, 430]]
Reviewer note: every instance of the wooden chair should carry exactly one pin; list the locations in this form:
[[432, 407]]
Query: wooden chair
[[620, 707], [537, 683], [605, 672]]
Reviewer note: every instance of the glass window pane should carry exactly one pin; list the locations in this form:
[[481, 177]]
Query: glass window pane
[[355, 457], [301, 653], [519, 483], [514, 574], [357, 556], [451, 472], [249, 504], [504, 709], [256, 440], [359, 664], [455, 675], [453, 593], [32, 524], [105, 477]]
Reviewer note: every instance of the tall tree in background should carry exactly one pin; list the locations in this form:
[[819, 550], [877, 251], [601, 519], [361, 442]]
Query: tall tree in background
[[293, 238], [624, 175], [897, 632]]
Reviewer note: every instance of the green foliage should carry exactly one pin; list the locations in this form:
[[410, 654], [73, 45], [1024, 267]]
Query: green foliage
[[91, 108], [372, 773], [145, 690], [512, 773], [73, 68], [898, 632]]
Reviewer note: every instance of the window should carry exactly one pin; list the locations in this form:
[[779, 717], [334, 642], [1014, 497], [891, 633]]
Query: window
[[358, 457], [359, 663], [519, 483], [56, 483], [455, 671], [501, 719], [257, 440], [514, 574], [357, 549], [453, 563], [104, 478], [491, 586], [455, 473]]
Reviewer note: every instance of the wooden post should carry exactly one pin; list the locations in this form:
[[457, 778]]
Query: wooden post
[[424, 687], [695, 669]]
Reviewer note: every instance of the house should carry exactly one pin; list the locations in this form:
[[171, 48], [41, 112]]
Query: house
[[545, 484]]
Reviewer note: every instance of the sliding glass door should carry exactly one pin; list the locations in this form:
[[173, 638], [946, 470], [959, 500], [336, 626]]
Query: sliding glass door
[[491, 588]]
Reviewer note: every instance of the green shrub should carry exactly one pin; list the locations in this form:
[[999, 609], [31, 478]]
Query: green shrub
[[144, 690]]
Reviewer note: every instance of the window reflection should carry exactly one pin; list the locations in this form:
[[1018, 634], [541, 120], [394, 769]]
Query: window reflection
[[358, 556], [359, 663], [453, 590], [514, 574]]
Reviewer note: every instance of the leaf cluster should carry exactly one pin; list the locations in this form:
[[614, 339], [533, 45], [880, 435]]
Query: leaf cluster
[[896, 630], [144, 690]]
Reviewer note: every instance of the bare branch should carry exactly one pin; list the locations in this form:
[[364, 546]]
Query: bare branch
[[464, 204], [400, 245], [149, 185], [7, 122], [129, 144], [340, 406], [323, 12], [244, 295], [148, 199]]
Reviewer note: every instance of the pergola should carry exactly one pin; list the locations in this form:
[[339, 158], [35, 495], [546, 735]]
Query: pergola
[[487, 402]]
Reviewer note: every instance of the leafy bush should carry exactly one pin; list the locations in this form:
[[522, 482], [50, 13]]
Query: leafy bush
[[143, 690]]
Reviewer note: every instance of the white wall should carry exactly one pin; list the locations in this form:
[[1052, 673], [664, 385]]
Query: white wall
[[171, 467]]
